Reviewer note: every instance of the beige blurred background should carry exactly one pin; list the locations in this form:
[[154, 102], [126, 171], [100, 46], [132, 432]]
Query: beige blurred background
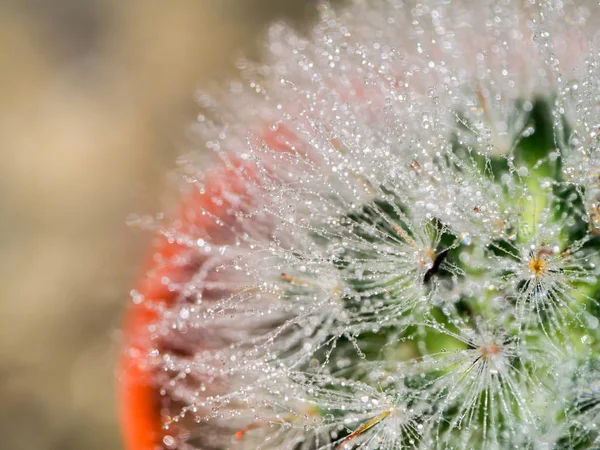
[[95, 100]]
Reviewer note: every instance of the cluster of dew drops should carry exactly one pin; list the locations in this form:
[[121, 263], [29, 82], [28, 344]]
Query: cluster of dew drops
[[397, 244]]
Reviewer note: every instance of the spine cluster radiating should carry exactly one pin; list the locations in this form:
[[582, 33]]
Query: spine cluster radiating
[[397, 246]]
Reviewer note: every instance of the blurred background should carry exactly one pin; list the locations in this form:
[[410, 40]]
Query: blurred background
[[95, 100]]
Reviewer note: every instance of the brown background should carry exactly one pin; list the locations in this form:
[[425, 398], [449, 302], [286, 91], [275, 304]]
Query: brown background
[[95, 101]]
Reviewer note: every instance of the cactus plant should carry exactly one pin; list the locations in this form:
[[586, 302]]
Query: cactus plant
[[397, 247]]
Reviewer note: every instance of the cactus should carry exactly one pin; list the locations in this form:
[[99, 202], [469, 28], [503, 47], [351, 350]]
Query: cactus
[[398, 245]]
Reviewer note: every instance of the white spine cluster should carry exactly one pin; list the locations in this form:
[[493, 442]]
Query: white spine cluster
[[406, 249]]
